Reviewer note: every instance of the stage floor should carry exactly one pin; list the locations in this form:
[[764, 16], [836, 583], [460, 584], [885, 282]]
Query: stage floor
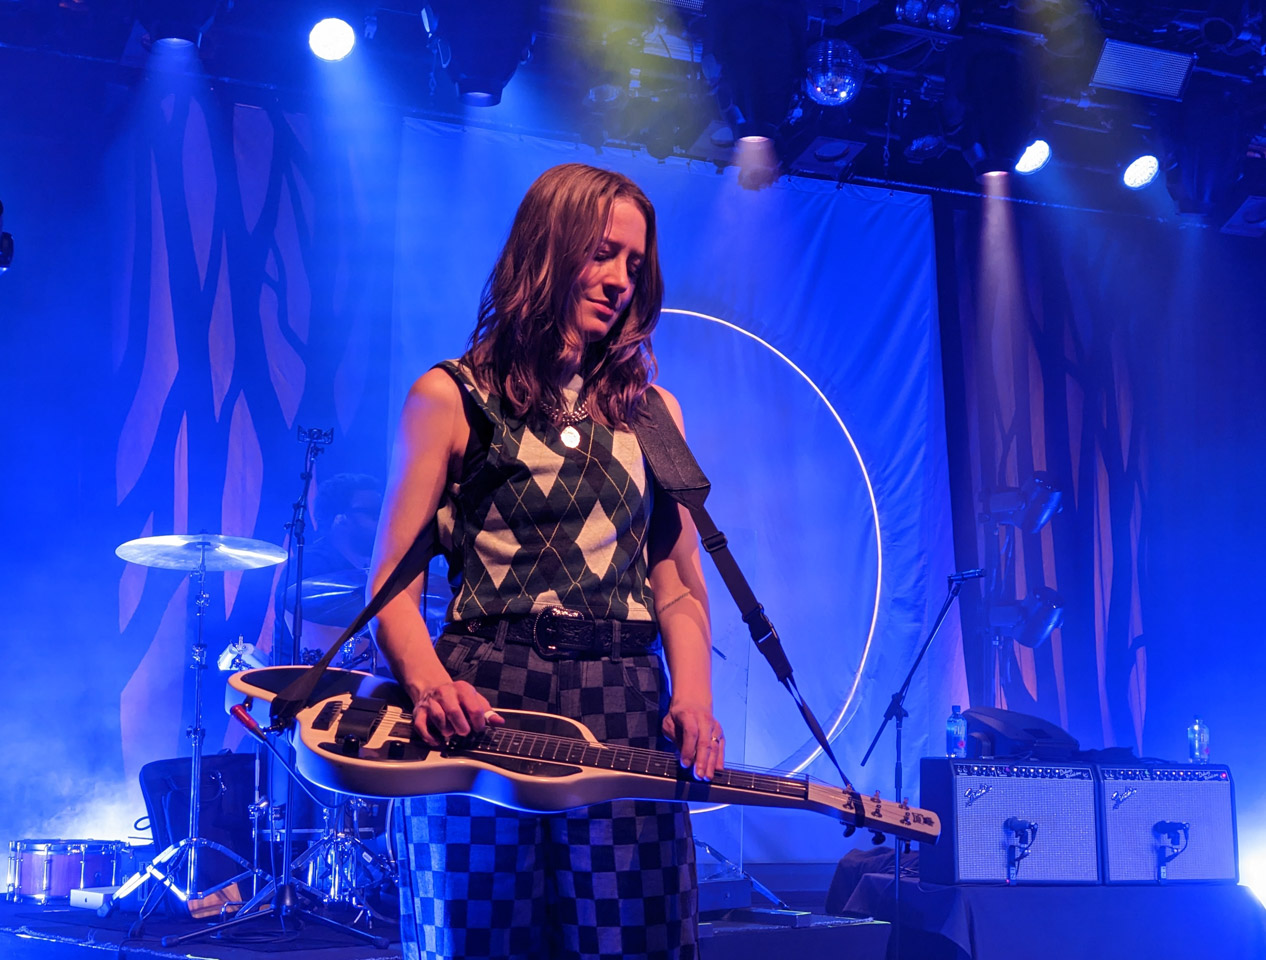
[[1190, 921], [33, 932]]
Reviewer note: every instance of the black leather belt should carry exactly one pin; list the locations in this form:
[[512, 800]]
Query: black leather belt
[[558, 634]]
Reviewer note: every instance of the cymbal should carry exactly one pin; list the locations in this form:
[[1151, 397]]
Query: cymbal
[[336, 598], [186, 551]]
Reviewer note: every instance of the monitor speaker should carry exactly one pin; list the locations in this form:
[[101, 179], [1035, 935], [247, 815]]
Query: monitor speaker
[[1168, 823], [1010, 822]]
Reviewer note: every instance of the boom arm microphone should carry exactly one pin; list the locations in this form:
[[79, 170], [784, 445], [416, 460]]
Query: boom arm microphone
[[1016, 825]]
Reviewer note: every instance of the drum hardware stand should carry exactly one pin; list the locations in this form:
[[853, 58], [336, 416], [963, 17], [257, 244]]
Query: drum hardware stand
[[166, 867], [897, 713], [285, 900], [341, 850], [257, 812]]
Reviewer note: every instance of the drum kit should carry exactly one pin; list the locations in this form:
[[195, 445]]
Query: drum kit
[[345, 863]]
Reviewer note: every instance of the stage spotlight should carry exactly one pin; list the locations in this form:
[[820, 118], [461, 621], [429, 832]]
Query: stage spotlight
[[332, 39], [1028, 508], [756, 61], [1223, 23], [1141, 171], [1207, 145], [1036, 155], [1031, 621], [481, 43], [992, 99], [943, 15], [836, 73], [176, 22]]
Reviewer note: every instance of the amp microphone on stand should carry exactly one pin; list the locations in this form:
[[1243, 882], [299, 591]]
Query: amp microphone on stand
[[1173, 836], [6, 244], [962, 576], [1022, 834]]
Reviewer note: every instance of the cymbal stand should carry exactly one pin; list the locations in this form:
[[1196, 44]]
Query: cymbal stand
[[166, 867], [285, 900]]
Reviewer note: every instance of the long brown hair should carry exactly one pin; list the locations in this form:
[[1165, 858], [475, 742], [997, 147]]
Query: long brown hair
[[525, 329]]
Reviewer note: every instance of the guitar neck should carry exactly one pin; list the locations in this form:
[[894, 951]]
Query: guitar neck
[[727, 784]]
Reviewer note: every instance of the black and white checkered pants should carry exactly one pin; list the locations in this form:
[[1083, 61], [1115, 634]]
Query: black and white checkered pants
[[608, 882]]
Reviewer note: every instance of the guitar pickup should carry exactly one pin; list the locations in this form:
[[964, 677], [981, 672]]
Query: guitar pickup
[[360, 719], [329, 713]]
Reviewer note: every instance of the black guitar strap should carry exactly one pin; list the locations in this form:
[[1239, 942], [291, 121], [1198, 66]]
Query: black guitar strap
[[678, 474], [296, 696]]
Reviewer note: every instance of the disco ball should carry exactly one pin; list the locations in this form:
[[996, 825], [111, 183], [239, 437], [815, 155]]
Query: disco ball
[[943, 15], [836, 72], [912, 11]]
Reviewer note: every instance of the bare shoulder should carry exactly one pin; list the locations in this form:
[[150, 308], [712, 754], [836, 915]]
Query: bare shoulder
[[435, 391], [674, 407]]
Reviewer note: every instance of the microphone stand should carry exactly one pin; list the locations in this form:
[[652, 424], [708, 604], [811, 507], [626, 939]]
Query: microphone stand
[[897, 713], [285, 905]]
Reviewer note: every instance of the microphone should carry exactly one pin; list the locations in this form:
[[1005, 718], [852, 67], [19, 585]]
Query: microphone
[[962, 576], [1172, 835], [6, 244], [1023, 836]]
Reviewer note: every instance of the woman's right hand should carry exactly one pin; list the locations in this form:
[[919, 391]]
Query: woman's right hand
[[452, 709]]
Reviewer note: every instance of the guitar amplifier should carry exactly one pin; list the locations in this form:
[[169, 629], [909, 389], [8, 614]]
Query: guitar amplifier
[[1168, 823], [1010, 821]]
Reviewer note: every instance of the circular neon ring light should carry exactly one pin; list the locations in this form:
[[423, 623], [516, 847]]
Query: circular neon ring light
[[874, 508]]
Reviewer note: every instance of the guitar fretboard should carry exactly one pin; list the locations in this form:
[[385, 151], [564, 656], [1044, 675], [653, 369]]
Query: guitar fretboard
[[653, 763]]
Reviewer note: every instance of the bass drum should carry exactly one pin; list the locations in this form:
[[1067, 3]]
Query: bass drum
[[41, 871]]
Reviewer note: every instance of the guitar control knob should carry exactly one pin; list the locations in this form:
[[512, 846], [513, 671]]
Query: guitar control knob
[[395, 750], [350, 747]]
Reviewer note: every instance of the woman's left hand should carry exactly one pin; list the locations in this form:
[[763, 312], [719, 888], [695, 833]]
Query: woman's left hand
[[697, 736]]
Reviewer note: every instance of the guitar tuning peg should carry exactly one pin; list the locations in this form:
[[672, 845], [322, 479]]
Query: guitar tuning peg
[[849, 830], [877, 838], [905, 803], [876, 796]]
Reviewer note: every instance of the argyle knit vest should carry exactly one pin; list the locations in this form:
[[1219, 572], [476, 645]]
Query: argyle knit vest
[[535, 524]]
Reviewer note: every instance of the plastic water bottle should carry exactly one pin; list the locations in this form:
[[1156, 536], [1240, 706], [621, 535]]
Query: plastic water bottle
[[1198, 741], [956, 734]]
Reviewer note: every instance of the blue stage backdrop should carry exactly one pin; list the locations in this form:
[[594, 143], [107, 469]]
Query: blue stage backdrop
[[195, 278], [801, 338]]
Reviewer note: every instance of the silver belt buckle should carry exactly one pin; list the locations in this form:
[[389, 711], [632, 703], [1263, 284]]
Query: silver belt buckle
[[550, 612]]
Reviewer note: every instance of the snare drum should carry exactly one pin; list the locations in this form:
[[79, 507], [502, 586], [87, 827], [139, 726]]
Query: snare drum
[[44, 870]]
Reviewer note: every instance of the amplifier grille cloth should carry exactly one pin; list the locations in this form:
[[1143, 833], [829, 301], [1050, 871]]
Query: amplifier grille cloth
[[1064, 810], [1131, 847]]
